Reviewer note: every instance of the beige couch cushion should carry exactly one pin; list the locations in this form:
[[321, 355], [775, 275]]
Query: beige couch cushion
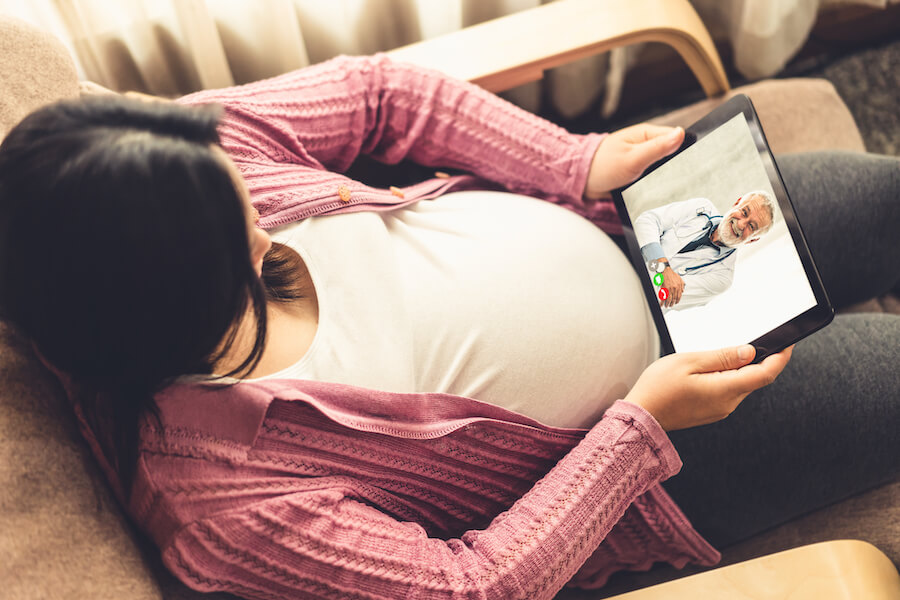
[[797, 115], [35, 69], [63, 534]]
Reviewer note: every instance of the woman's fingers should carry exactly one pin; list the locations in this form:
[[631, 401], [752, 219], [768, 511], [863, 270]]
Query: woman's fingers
[[723, 359], [625, 154], [657, 144], [752, 377], [643, 132], [695, 388]]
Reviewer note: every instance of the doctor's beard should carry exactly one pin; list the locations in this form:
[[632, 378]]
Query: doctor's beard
[[727, 235]]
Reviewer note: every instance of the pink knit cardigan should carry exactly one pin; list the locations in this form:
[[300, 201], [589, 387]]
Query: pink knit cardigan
[[301, 489]]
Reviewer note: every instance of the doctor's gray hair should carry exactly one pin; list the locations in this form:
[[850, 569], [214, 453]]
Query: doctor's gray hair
[[768, 203]]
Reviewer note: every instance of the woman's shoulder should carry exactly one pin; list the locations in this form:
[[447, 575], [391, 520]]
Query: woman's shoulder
[[200, 411]]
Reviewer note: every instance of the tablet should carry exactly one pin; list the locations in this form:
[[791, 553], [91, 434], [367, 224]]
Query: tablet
[[714, 238]]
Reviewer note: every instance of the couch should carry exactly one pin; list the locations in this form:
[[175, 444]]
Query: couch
[[62, 534]]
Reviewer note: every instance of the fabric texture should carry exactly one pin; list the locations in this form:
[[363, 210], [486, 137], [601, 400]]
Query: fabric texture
[[170, 48], [825, 123], [803, 442], [311, 488], [62, 534], [765, 34], [239, 499], [25, 89], [292, 136], [849, 205]]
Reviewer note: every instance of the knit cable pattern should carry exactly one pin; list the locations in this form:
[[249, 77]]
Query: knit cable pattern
[[293, 136], [490, 510]]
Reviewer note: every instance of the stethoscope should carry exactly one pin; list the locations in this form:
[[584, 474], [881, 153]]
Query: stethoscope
[[706, 229]]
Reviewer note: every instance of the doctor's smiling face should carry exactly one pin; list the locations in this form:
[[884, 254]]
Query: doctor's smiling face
[[750, 218]]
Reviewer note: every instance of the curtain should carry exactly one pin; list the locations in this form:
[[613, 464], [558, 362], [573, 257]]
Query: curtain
[[172, 47], [765, 34]]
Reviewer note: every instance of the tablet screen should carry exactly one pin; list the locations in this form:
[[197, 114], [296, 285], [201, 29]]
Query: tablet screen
[[713, 214]]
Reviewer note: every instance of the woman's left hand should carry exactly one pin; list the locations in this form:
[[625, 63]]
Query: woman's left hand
[[626, 153]]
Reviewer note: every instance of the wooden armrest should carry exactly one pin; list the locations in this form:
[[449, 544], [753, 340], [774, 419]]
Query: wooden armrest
[[839, 570], [518, 48]]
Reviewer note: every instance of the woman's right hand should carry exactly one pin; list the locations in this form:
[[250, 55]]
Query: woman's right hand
[[696, 388]]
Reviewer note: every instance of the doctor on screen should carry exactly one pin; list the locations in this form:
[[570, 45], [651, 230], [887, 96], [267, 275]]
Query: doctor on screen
[[691, 249]]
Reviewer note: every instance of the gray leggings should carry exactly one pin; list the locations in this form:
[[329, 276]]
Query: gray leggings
[[829, 427]]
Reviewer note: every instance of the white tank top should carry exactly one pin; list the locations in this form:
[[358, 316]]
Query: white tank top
[[495, 296]]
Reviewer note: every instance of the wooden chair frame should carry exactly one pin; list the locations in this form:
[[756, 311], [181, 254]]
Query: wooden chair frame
[[518, 48]]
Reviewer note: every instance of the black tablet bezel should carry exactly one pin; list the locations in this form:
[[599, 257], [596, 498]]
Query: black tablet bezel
[[793, 330]]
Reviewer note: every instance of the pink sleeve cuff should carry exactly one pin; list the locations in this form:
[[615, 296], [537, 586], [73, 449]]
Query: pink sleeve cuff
[[590, 143], [652, 431]]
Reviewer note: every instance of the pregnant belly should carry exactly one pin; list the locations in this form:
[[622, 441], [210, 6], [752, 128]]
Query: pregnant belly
[[523, 304]]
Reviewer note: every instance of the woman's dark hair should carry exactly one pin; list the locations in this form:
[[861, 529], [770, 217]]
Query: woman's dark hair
[[124, 254]]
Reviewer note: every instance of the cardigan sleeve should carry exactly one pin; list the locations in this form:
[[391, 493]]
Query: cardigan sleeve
[[322, 117], [327, 539]]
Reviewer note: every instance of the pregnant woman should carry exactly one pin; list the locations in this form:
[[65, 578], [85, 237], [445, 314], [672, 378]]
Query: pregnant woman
[[303, 386]]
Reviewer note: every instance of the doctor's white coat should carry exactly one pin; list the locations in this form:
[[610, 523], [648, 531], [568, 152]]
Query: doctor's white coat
[[665, 230]]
